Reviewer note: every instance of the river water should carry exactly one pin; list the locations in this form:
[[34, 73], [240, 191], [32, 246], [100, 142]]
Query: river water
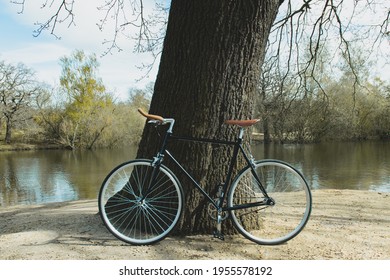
[[36, 177]]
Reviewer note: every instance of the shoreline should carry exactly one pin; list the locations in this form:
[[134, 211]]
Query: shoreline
[[344, 224], [29, 147], [257, 138]]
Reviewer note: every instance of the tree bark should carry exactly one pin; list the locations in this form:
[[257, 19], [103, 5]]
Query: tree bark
[[209, 70]]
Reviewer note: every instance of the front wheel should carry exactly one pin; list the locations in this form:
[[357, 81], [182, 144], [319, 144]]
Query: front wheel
[[139, 203], [276, 222]]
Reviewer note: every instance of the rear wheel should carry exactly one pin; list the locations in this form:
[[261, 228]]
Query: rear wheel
[[270, 224], [131, 215]]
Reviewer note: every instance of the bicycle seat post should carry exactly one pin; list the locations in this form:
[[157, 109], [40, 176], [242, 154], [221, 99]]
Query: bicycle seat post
[[241, 133]]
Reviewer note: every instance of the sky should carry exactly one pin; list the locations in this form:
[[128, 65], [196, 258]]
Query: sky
[[119, 71]]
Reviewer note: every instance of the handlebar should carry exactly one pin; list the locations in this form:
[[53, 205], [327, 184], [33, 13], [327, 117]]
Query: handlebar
[[157, 119], [161, 121], [150, 116]]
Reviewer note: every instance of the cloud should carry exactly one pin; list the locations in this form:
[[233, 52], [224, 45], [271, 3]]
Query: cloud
[[43, 58], [36, 53], [118, 70]]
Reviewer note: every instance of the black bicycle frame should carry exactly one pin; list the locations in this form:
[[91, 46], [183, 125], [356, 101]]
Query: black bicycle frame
[[237, 148]]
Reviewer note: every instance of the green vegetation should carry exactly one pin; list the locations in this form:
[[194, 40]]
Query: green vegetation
[[81, 113], [328, 104]]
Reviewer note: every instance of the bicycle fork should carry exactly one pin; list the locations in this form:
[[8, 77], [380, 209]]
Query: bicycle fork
[[156, 168]]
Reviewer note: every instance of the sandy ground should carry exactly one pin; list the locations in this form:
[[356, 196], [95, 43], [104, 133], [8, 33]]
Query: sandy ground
[[344, 225]]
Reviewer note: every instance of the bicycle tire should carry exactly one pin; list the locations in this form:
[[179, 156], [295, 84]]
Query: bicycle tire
[[129, 217], [270, 225]]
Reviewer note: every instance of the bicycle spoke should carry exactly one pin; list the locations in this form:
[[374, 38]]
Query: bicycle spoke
[[132, 217], [271, 224]]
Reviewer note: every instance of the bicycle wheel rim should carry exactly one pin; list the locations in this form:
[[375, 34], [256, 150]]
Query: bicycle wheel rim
[[133, 219], [271, 225]]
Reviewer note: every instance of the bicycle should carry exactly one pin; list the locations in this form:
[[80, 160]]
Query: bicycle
[[141, 201]]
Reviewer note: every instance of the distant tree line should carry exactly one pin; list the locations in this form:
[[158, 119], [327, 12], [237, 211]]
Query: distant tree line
[[323, 104], [18, 90], [81, 113]]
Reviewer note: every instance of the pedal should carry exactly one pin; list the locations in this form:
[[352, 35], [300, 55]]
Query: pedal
[[219, 235]]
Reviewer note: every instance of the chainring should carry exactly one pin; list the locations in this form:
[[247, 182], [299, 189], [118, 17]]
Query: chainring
[[213, 212]]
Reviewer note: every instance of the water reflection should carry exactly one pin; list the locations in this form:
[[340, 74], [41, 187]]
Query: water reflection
[[34, 177], [361, 166]]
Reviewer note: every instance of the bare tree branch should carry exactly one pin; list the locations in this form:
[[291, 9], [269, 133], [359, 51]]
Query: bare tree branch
[[131, 15], [305, 28], [18, 88], [64, 7], [298, 27], [63, 12], [21, 4]]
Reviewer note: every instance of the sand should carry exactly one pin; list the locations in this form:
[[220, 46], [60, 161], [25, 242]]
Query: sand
[[344, 225]]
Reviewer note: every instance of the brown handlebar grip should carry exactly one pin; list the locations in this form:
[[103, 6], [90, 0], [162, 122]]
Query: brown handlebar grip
[[150, 116]]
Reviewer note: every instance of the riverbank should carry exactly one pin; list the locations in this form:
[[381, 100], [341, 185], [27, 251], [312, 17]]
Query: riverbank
[[28, 147], [344, 225]]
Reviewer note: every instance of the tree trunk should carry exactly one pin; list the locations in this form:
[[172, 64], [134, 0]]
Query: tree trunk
[[209, 70], [8, 130], [266, 131]]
